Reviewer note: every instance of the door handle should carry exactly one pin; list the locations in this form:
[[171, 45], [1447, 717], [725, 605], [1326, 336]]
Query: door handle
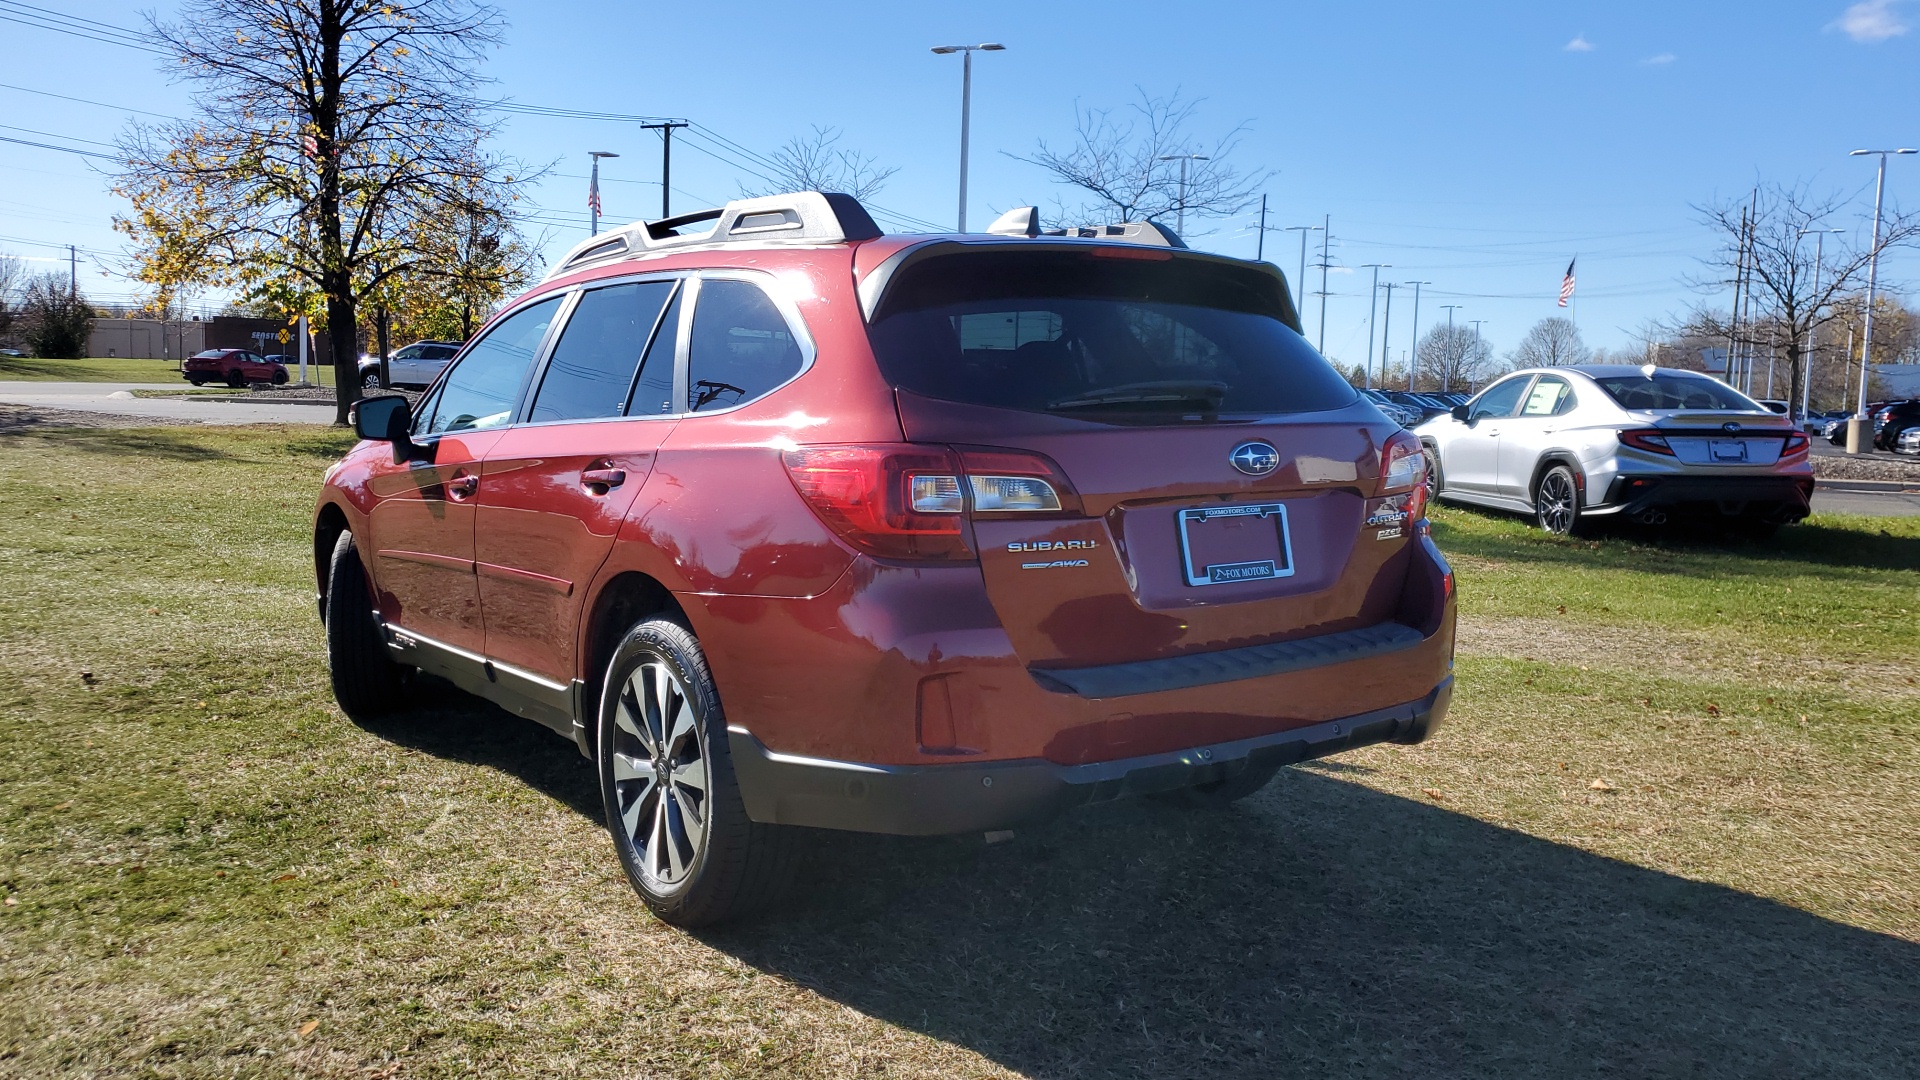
[[462, 486], [600, 481]]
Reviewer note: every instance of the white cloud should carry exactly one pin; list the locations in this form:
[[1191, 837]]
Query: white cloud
[[1871, 21], [1579, 44], [1657, 61]]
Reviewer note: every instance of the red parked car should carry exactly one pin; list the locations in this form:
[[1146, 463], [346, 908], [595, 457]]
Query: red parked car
[[789, 523], [235, 367]]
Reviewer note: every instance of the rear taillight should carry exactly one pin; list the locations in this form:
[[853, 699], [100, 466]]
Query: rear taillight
[[906, 501], [1648, 439], [1403, 469], [1796, 444]]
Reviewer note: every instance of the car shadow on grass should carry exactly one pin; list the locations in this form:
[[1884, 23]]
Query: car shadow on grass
[[1326, 929], [1320, 928]]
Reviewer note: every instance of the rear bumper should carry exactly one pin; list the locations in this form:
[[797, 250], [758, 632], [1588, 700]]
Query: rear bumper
[[1783, 498], [925, 800]]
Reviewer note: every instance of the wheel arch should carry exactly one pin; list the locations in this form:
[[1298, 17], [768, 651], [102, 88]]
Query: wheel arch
[[625, 599], [328, 524], [1558, 457]]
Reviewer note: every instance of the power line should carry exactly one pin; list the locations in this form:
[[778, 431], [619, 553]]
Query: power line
[[74, 26], [68, 149], [56, 135], [85, 101]]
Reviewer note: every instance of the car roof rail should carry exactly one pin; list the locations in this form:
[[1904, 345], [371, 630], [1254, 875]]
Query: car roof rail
[[803, 217], [1025, 221]]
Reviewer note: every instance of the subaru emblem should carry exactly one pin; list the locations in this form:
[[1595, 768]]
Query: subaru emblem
[[1255, 458], [1729, 427]]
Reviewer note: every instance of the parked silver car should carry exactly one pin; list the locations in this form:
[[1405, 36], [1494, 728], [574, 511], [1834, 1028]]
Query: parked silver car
[[1569, 445], [416, 365]]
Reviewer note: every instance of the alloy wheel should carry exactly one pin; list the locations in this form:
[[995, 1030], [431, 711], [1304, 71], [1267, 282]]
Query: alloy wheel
[[1555, 503], [660, 773]]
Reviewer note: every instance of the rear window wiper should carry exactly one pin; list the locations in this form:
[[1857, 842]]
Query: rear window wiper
[[1208, 395]]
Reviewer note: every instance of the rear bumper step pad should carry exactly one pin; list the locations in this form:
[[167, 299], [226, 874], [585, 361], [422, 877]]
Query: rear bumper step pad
[[1228, 665]]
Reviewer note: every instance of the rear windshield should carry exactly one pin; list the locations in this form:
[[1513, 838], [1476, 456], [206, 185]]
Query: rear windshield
[[1674, 392], [1071, 333]]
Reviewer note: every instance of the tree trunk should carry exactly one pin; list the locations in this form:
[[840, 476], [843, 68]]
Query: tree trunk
[[341, 325], [380, 343]]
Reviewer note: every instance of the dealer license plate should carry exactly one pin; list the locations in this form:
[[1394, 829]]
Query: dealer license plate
[[1221, 545]]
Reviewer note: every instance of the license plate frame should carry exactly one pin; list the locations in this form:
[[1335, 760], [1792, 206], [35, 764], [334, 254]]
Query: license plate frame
[[1230, 573], [1727, 451]]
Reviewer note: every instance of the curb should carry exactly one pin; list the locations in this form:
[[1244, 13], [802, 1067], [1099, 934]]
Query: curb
[[249, 399], [1881, 486]]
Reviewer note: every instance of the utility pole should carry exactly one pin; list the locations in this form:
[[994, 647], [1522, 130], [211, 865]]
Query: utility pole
[[1373, 306], [73, 273], [1733, 317], [593, 196], [1326, 244], [1413, 354], [1180, 216], [1860, 428], [1303, 230], [966, 107], [666, 129], [1260, 245]]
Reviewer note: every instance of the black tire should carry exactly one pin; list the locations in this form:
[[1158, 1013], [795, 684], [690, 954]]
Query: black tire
[[280, 376], [366, 681], [1220, 793], [703, 861], [237, 379], [1435, 480], [371, 380], [1556, 503], [198, 382]]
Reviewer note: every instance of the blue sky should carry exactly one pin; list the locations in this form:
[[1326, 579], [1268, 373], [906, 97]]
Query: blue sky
[[1477, 149]]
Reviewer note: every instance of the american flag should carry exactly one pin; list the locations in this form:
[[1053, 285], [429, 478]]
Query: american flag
[[593, 195], [1566, 285]]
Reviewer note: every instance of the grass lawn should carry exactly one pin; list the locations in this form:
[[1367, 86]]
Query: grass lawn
[[1669, 831], [117, 369]]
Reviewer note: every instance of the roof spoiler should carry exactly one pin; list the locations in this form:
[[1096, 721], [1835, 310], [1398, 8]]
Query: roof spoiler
[[1025, 221], [807, 217]]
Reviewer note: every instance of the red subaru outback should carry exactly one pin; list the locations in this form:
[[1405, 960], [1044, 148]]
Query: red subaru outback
[[786, 522]]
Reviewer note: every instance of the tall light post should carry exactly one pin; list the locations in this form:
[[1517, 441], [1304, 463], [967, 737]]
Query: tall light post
[[593, 189], [1413, 354], [1373, 308], [1813, 331], [1446, 376], [1386, 336], [966, 107], [1303, 230], [1860, 428], [1180, 217]]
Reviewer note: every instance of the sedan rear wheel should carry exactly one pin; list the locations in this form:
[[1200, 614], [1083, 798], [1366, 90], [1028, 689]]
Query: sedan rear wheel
[[237, 379], [666, 779], [1556, 503]]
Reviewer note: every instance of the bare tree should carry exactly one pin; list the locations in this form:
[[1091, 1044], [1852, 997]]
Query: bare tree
[[1796, 297], [1452, 358], [323, 128], [1553, 342], [1131, 166], [13, 277], [818, 163]]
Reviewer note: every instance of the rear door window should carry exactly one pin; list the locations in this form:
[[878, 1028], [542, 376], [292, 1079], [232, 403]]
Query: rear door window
[[482, 389], [1084, 333], [740, 347], [1548, 397], [594, 363], [653, 390]]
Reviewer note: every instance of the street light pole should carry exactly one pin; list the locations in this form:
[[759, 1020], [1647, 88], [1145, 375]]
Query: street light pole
[[1860, 428], [1386, 336], [966, 108], [1446, 375], [593, 189], [1373, 307], [1413, 354], [1180, 216], [1303, 230], [1475, 323], [1813, 329]]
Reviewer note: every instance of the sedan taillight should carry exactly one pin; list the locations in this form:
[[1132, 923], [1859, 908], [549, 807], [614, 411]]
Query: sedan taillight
[[1648, 439], [1796, 444]]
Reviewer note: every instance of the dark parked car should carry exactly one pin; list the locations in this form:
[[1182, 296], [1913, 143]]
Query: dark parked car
[[785, 522], [1893, 418], [235, 367]]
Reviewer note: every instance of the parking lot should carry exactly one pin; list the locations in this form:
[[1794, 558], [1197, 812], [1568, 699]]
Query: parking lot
[[1666, 832]]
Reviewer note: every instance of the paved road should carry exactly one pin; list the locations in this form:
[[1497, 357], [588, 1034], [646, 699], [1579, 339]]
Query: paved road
[[96, 397], [1904, 503]]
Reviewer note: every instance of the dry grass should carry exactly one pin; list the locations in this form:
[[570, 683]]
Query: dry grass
[[204, 859]]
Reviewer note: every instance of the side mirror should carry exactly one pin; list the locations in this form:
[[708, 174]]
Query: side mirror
[[386, 419], [1460, 413]]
